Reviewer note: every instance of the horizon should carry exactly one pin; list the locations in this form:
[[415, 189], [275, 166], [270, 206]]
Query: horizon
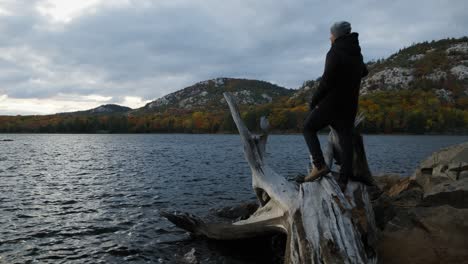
[[66, 56]]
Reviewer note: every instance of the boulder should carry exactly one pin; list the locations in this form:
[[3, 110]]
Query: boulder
[[425, 235], [447, 165], [443, 177], [387, 181], [401, 191], [453, 193]]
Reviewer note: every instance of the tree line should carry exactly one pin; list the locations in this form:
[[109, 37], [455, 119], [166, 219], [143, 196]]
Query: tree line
[[415, 111]]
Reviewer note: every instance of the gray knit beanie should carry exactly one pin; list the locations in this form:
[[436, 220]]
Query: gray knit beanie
[[340, 28]]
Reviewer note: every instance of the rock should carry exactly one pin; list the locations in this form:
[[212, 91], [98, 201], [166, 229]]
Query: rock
[[402, 191], [460, 71], [448, 164], [426, 235], [386, 181], [190, 257], [416, 57], [458, 48], [454, 193], [436, 75], [397, 191], [400, 186], [456, 153], [391, 78]]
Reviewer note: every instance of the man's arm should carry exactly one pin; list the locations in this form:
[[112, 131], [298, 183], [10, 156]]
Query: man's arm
[[331, 63]]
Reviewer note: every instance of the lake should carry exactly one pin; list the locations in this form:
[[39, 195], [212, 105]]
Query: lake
[[96, 198]]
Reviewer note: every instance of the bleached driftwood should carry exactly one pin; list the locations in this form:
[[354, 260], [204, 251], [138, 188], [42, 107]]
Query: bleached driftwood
[[322, 224]]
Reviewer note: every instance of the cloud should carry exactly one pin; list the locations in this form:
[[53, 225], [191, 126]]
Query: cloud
[[146, 49], [65, 11], [63, 103], [133, 101], [55, 104]]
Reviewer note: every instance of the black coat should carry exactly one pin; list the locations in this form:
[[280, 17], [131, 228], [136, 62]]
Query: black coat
[[338, 90]]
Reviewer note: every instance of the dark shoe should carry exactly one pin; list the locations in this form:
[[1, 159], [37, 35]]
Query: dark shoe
[[316, 173]]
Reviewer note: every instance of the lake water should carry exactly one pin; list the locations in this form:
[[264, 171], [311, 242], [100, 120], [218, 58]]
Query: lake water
[[96, 198]]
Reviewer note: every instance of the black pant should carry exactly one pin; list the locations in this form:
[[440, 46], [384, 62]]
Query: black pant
[[319, 118]]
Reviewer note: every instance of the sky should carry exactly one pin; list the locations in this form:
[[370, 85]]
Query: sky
[[68, 55]]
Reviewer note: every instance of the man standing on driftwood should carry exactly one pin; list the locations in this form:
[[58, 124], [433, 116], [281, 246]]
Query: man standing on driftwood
[[335, 101]]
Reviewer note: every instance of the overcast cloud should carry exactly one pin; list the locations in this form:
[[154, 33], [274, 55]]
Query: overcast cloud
[[58, 55]]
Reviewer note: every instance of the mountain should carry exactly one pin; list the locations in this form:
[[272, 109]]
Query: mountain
[[107, 109], [208, 95], [438, 66]]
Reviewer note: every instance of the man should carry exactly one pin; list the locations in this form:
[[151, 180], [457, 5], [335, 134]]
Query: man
[[335, 102]]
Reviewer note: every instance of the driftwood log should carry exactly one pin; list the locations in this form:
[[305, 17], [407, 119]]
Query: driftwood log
[[322, 224]]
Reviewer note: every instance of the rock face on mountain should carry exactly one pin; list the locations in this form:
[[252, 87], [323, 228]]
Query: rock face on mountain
[[441, 66], [107, 109], [433, 62], [389, 78], [209, 95], [423, 217]]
